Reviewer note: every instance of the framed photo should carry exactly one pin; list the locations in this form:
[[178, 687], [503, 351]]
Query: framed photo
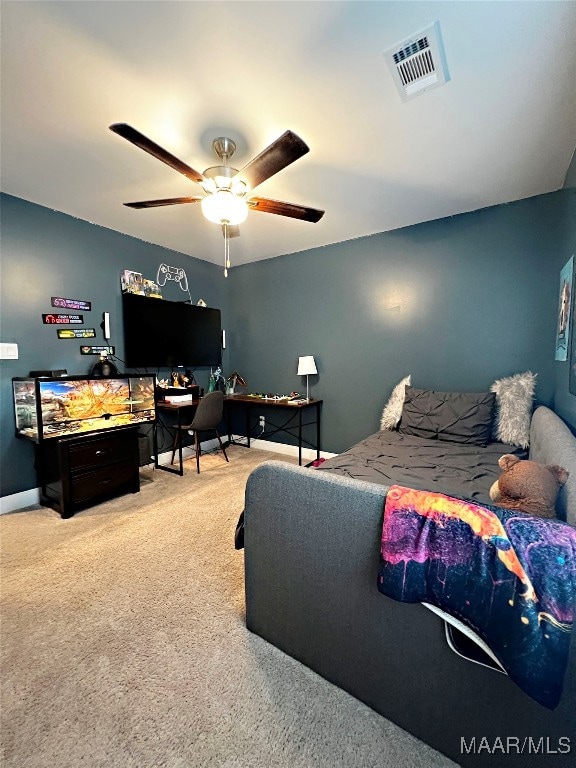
[[131, 282], [564, 310], [572, 373]]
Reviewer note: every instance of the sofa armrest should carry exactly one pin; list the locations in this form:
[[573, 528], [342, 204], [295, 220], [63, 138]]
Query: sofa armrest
[[551, 442]]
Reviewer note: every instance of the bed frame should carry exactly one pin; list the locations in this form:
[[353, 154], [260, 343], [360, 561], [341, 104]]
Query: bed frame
[[311, 559]]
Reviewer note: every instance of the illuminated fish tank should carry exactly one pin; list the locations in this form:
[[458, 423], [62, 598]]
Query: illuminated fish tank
[[55, 407]]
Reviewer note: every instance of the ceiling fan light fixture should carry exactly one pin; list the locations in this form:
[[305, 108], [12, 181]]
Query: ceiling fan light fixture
[[227, 188], [223, 207]]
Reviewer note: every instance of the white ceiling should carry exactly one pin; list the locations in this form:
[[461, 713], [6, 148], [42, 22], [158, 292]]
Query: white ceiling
[[502, 129]]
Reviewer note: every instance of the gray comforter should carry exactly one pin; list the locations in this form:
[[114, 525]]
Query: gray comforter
[[456, 469]]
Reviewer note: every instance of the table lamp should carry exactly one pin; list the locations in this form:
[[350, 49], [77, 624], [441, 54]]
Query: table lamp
[[306, 366]]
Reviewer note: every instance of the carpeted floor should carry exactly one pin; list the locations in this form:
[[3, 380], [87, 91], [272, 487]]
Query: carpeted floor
[[123, 643]]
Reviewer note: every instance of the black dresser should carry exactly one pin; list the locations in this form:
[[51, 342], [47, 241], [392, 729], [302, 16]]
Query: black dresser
[[79, 471]]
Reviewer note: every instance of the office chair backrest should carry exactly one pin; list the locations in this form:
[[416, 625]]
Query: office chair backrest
[[209, 411]]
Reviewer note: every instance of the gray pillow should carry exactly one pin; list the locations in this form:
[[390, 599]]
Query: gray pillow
[[457, 417]]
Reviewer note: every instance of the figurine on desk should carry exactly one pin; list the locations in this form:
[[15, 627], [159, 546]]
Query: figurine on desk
[[183, 379], [233, 381], [216, 380], [179, 386]]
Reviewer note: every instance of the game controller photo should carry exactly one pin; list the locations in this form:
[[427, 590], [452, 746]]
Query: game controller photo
[[176, 274]]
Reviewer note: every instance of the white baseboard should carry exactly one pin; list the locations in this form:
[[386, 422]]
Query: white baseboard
[[288, 450], [19, 500], [260, 445], [23, 499]]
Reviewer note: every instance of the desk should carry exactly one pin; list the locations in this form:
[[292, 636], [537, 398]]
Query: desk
[[296, 410], [178, 409]]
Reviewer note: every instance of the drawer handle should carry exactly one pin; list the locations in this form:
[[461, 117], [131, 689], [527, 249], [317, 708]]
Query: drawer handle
[[101, 453], [104, 482]]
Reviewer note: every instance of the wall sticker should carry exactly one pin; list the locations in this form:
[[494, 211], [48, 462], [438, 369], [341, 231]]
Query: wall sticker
[[62, 319], [76, 333], [57, 301], [97, 350]]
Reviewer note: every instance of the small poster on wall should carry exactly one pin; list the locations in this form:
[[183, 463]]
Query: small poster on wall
[[564, 310], [572, 378], [97, 350], [76, 333], [62, 319], [59, 301], [572, 373]]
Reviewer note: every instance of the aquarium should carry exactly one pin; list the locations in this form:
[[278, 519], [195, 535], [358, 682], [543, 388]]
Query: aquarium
[[55, 407]]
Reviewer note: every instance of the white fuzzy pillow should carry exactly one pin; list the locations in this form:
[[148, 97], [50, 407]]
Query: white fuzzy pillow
[[393, 408], [514, 400]]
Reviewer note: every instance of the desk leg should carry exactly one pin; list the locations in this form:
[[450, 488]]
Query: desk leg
[[317, 431], [168, 468], [155, 444], [248, 426], [300, 436], [179, 423]]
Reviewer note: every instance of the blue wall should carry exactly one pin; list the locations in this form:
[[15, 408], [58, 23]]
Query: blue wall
[[44, 254], [456, 303]]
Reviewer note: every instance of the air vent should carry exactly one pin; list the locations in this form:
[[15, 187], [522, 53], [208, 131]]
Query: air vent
[[418, 64]]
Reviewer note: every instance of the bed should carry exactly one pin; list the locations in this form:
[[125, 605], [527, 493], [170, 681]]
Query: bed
[[389, 457], [312, 552]]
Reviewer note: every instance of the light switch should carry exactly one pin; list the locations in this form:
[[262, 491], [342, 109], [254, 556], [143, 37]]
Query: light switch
[[8, 351]]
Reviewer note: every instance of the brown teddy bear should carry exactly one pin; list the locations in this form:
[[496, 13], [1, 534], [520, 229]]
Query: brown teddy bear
[[528, 486]]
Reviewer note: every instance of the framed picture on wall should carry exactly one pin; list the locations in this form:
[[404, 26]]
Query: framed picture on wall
[[572, 373], [564, 310]]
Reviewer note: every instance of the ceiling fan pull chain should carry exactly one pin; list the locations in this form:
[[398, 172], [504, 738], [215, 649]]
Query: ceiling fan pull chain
[[226, 248]]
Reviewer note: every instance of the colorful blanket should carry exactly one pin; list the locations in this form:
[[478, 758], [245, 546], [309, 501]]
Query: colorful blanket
[[509, 576]]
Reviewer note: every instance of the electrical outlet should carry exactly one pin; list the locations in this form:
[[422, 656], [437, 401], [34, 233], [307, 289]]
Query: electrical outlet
[[262, 422]]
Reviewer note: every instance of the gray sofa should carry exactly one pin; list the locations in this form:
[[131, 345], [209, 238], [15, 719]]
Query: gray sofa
[[311, 559]]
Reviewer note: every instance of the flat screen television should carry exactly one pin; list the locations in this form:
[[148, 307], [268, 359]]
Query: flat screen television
[[166, 334]]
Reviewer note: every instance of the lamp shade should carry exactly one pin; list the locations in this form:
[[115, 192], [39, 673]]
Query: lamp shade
[[306, 365], [223, 207]]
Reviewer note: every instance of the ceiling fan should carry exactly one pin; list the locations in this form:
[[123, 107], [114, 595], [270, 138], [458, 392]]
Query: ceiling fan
[[228, 198]]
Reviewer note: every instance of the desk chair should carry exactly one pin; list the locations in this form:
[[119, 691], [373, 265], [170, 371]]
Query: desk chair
[[206, 419]]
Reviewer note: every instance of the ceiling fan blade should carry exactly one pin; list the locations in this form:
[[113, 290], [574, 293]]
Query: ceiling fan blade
[[137, 138], [285, 209], [285, 150], [233, 230], [165, 201]]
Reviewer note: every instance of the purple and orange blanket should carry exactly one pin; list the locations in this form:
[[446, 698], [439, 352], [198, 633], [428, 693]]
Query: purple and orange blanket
[[509, 576]]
